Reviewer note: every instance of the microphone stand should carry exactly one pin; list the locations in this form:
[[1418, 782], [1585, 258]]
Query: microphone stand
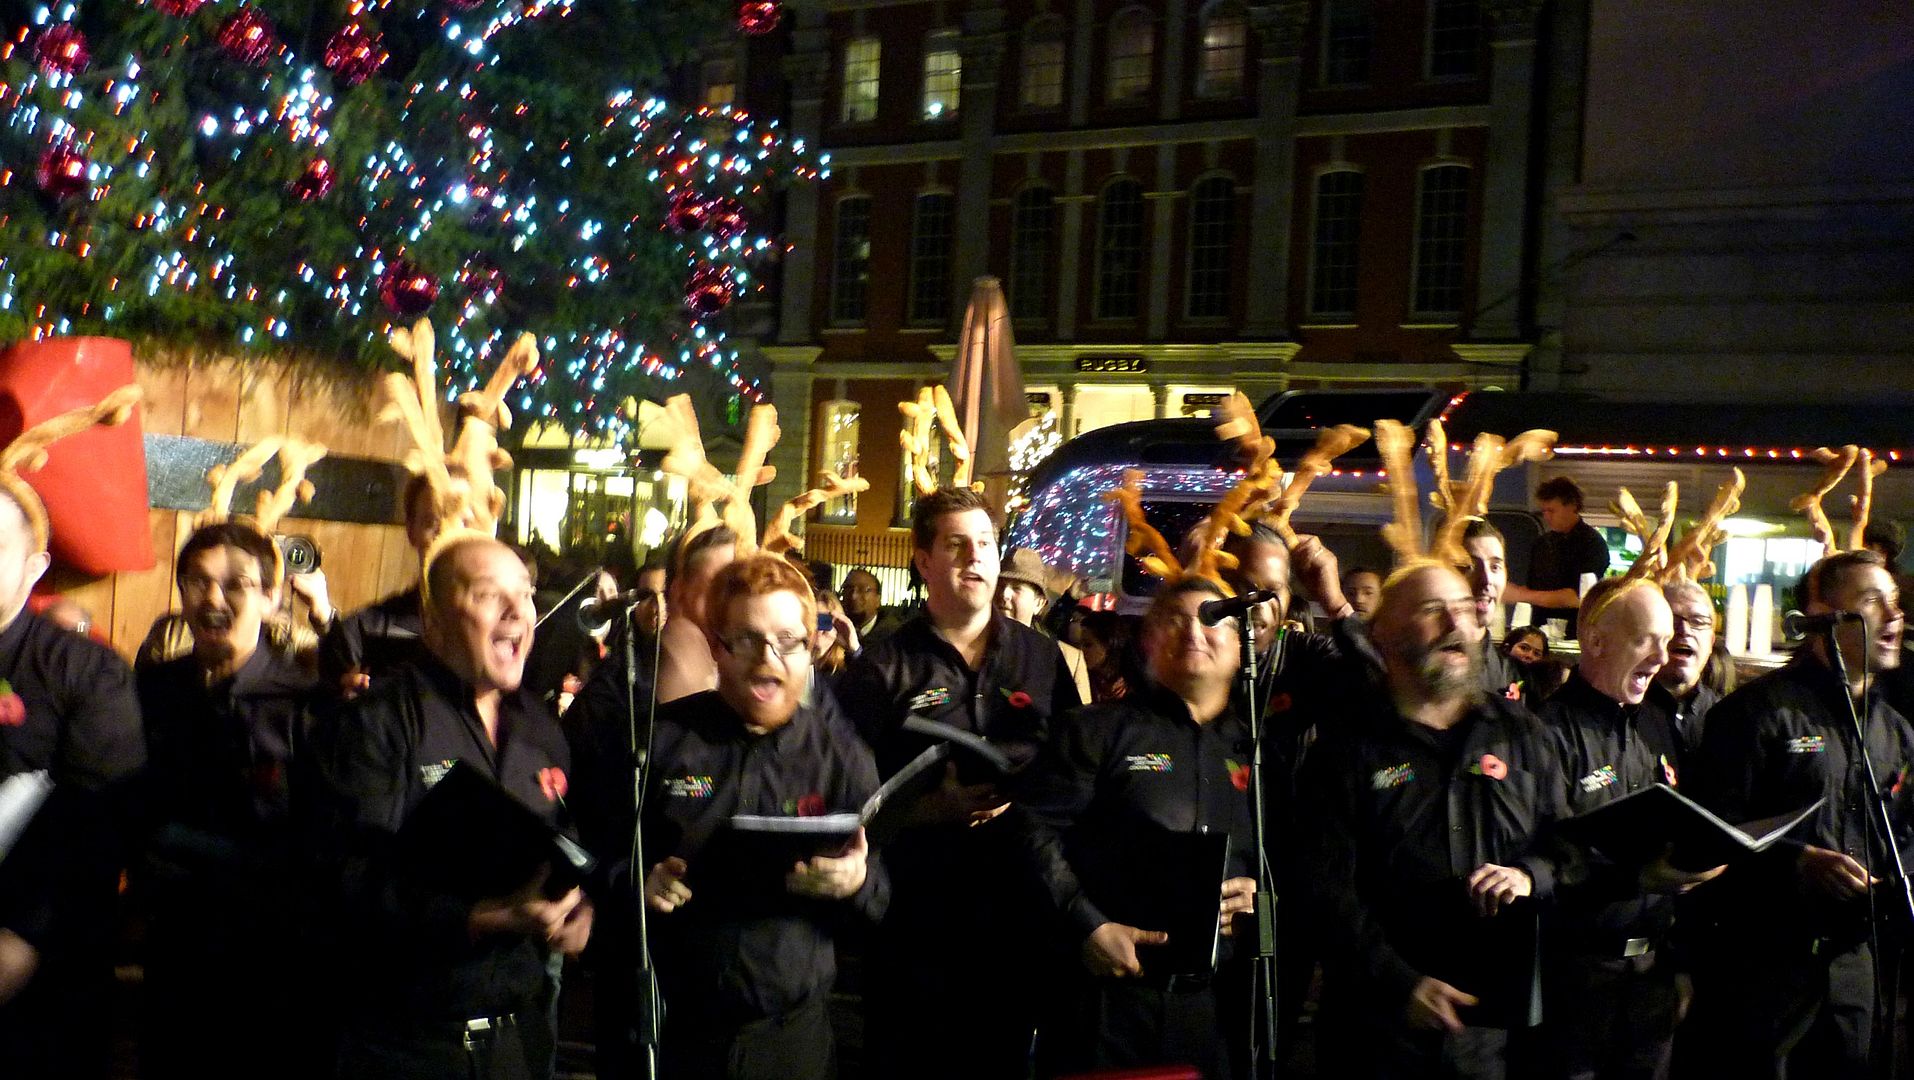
[[1879, 822], [651, 1004], [1263, 989], [575, 590]]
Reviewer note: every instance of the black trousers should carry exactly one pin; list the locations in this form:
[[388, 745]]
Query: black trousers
[[1360, 1039], [795, 1046], [521, 1050], [1775, 1010], [1126, 1023], [1611, 1018], [968, 1012]]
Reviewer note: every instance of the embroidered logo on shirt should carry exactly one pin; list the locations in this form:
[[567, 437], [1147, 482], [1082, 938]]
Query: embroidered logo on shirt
[[689, 787], [1808, 744], [1148, 762], [930, 699], [1392, 777], [435, 772], [1601, 778]]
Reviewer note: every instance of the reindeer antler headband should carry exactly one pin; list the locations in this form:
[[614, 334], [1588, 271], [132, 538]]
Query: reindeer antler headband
[[933, 407], [1255, 497], [28, 452], [472, 508], [296, 456], [1838, 463], [1461, 502]]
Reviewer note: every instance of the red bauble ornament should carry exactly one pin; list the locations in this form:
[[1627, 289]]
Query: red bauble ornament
[[61, 49], [724, 218], [406, 289], [179, 9], [353, 55], [315, 182], [710, 290], [248, 36], [757, 17], [687, 213], [62, 170]]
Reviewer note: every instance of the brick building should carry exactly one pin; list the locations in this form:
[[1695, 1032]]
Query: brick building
[[1180, 198]]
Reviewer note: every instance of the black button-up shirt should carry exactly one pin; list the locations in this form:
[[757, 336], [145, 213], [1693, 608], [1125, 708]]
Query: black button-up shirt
[[729, 954], [1776, 745], [1121, 769], [375, 639], [217, 792], [67, 707], [1559, 559], [405, 950], [1609, 750], [1404, 815]]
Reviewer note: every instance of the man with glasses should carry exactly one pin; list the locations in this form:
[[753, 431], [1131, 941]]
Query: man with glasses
[[1424, 855], [1172, 758], [968, 1010], [215, 883], [1679, 685], [435, 986], [746, 953]]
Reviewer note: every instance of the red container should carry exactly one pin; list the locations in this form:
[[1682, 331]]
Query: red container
[[94, 483]]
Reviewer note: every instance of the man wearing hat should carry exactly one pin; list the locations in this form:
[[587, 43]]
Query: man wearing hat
[[1023, 591]]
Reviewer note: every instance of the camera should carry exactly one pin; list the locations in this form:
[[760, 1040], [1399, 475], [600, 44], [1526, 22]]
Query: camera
[[300, 553]]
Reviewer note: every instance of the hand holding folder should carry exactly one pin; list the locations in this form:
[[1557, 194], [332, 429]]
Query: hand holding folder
[[1639, 828]]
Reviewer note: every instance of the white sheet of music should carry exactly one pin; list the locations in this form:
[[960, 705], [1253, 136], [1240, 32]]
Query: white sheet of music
[[21, 796]]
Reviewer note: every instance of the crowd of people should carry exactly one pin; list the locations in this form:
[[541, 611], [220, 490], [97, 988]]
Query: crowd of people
[[1010, 922]]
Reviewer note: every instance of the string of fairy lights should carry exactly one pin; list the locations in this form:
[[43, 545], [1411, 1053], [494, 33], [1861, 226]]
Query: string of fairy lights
[[128, 211]]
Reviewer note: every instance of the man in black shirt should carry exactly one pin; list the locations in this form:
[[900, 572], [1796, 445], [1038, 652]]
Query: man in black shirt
[[1785, 978], [1568, 548], [968, 1010], [376, 639], [1610, 988], [1679, 686], [223, 725], [67, 710], [1425, 852], [746, 953], [431, 984], [1171, 759]]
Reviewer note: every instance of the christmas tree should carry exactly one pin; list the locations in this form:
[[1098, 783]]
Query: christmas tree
[[299, 177]]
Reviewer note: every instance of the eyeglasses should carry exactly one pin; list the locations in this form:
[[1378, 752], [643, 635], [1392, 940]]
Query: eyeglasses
[[200, 584], [748, 643]]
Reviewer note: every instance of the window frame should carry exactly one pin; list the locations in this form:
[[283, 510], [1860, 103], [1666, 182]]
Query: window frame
[[843, 509], [1239, 82], [1330, 12], [1047, 30], [1021, 254], [852, 109], [1460, 241], [1227, 266], [1429, 31], [1316, 311], [920, 259], [839, 262], [1134, 15], [934, 43], [1101, 297]]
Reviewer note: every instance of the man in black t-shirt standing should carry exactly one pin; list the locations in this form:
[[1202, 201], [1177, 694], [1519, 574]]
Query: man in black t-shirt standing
[[1568, 548]]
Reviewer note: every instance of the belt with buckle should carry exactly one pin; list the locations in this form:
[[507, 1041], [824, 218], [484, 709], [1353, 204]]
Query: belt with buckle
[[481, 1029], [1637, 946]]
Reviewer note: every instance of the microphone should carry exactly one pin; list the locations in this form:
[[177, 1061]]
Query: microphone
[[1797, 625], [595, 612], [1211, 612]]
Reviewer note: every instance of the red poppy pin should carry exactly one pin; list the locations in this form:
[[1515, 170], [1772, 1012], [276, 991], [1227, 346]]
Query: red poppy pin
[[1668, 772], [1017, 698], [551, 781], [1238, 775], [13, 711], [1514, 692], [1281, 703], [811, 805], [1494, 767]]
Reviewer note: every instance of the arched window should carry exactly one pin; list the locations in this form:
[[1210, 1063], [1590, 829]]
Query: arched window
[[851, 259], [1040, 77], [1119, 250], [1132, 56], [1033, 225], [1335, 240], [943, 74], [1224, 38], [1212, 228], [930, 234], [1442, 239]]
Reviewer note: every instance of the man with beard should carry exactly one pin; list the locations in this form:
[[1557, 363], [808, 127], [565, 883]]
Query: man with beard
[[1785, 974], [1611, 994], [223, 724], [1172, 758], [1679, 684], [431, 985], [969, 1011], [1425, 859], [746, 954]]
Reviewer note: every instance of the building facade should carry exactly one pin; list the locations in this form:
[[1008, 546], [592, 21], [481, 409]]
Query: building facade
[[1180, 198]]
